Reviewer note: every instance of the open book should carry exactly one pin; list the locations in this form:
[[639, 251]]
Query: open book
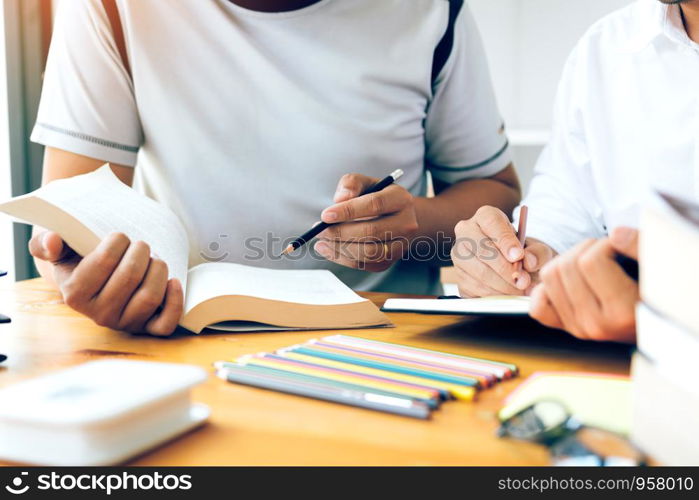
[[231, 297]]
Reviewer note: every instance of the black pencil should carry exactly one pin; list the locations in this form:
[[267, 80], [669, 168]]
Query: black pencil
[[322, 226]]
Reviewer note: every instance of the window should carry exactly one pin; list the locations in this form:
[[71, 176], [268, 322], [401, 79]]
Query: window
[[24, 37]]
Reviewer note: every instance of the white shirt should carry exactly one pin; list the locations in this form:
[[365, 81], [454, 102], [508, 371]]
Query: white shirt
[[626, 122], [243, 122]]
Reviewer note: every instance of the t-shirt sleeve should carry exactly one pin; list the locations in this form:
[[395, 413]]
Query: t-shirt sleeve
[[465, 134], [87, 103], [564, 208]]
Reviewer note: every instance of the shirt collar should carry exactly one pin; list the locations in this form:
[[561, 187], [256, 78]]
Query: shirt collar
[[655, 21]]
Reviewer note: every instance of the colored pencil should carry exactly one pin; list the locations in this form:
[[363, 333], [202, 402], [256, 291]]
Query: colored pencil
[[456, 391], [483, 379], [521, 236], [497, 368], [363, 399], [221, 365], [363, 361], [409, 390]]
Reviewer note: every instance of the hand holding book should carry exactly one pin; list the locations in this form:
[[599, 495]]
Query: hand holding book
[[106, 271], [119, 285]]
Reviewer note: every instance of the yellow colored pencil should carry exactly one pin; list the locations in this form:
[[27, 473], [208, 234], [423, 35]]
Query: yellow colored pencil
[[458, 391], [397, 387]]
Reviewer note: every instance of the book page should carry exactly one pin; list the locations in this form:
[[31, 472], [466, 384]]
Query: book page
[[314, 287], [101, 204]]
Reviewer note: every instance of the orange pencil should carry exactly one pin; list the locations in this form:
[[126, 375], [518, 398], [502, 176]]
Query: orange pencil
[[522, 236]]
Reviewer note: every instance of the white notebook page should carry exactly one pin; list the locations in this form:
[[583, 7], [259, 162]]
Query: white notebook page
[[487, 305], [315, 287]]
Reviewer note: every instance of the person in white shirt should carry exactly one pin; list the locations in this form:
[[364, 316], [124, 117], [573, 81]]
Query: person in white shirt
[[626, 123], [243, 116]]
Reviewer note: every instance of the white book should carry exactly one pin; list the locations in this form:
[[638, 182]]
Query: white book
[[664, 415], [86, 208], [486, 306], [672, 349]]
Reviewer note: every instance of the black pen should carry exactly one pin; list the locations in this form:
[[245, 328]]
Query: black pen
[[319, 228], [629, 265]]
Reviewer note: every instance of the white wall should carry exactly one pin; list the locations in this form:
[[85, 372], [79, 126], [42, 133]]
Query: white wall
[[527, 43]]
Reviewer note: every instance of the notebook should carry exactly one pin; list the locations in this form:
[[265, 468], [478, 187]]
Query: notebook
[[86, 208], [595, 399], [487, 306]]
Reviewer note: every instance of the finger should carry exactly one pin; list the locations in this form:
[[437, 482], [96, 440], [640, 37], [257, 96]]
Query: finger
[[377, 230], [536, 255], [165, 323], [511, 273], [390, 200], [374, 257], [145, 301], [49, 246], [587, 310], [625, 241], [111, 300], [470, 238], [488, 266], [351, 186], [470, 287], [542, 309], [359, 255], [605, 276], [496, 226], [93, 271], [557, 296]]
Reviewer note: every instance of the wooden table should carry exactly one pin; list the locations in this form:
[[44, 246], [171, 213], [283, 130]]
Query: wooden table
[[252, 426]]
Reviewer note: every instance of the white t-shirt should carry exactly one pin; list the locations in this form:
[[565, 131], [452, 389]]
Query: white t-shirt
[[626, 123], [243, 122]]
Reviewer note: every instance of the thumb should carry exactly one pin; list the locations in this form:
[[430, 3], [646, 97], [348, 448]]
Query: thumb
[[48, 246], [625, 241], [351, 186]]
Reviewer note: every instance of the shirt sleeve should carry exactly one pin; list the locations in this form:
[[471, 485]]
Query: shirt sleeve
[[87, 103], [563, 205], [465, 134]]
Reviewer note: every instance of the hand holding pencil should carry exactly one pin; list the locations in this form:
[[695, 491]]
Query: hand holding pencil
[[491, 258], [370, 225]]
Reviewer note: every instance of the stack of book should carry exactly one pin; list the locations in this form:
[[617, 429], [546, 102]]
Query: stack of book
[[665, 391]]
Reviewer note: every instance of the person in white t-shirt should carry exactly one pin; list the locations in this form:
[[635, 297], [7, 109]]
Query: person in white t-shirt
[[626, 123], [245, 117]]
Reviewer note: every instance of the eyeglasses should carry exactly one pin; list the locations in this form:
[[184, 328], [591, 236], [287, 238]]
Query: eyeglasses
[[569, 441]]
